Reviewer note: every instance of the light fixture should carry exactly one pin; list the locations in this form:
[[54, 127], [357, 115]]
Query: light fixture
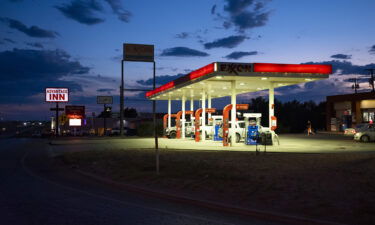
[[225, 88], [179, 90], [259, 88], [280, 84], [188, 87], [219, 77], [158, 97], [202, 83], [242, 83], [264, 78], [164, 95], [308, 79]]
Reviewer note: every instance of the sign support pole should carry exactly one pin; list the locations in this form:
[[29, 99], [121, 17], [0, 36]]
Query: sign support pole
[[122, 100], [155, 130], [105, 122], [57, 120]]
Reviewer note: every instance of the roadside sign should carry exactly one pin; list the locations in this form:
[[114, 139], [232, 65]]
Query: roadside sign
[[57, 94], [75, 111], [139, 53], [75, 122], [104, 99]]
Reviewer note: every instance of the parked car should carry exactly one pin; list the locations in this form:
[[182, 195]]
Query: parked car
[[366, 134], [172, 132], [357, 128]]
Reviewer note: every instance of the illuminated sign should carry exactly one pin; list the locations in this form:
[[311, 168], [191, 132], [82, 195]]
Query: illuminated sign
[[75, 122], [75, 111], [57, 94], [138, 53], [235, 68], [292, 68]]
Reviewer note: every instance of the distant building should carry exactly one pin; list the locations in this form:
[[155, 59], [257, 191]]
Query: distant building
[[344, 111]]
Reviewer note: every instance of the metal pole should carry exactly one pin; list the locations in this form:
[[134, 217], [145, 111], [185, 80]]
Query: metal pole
[[155, 130], [372, 79], [122, 100], [105, 122], [57, 120]]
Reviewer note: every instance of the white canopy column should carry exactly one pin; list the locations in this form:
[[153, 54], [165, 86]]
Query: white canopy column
[[183, 115], [203, 126], [192, 105], [271, 106], [209, 103], [233, 113], [169, 112]]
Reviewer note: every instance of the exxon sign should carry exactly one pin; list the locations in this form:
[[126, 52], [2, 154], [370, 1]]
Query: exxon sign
[[57, 94]]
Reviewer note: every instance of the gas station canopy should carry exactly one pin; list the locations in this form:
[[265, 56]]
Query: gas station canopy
[[218, 79]]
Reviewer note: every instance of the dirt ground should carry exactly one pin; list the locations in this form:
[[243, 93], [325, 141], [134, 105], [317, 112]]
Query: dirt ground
[[337, 187]]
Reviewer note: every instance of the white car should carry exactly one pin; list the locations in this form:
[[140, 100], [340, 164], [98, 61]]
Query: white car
[[239, 130], [365, 135], [357, 128], [172, 132]]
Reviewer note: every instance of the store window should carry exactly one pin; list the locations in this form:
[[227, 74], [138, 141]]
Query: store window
[[368, 115]]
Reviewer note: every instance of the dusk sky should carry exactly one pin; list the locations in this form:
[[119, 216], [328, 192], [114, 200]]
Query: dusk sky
[[78, 44]]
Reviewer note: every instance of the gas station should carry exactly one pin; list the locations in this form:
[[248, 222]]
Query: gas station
[[226, 79]]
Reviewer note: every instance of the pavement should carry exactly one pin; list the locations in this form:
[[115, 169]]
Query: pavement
[[36, 190], [293, 143]]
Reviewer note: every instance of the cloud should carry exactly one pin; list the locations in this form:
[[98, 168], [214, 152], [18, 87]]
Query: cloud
[[213, 9], [341, 56], [32, 31], [372, 50], [182, 51], [228, 42], [182, 35], [245, 14], [117, 8], [39, 69], [9, 40], [35, 45], [108, 90], [159, 79], [345, 67], [82, 11], [238, 55]]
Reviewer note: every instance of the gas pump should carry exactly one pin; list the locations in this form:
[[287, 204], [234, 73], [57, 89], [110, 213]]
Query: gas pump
[[216, 122], [252, 126]]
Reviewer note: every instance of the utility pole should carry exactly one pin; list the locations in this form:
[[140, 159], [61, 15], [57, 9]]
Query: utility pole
[[371, 81], [122, 100], [355, 86]]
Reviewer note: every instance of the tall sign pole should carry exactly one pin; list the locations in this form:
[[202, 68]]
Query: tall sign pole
[[57, 120], [155, 129], [57, 95], [122, 99], [140, 53]]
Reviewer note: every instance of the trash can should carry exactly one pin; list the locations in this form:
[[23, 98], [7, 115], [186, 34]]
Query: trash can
[[266, 138]]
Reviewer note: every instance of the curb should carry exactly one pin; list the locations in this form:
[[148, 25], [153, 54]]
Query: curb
[[263, 215]]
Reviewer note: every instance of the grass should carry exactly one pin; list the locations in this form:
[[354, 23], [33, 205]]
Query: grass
[[337, 187]]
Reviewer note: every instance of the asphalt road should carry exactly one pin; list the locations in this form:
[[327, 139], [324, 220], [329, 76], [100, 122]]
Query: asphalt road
[[33, 190]]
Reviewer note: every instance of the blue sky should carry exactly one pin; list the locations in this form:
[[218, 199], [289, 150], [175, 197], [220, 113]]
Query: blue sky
[[78, 43]]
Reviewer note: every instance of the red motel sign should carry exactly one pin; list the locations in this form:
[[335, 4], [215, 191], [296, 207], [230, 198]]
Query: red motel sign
[[57, 94]]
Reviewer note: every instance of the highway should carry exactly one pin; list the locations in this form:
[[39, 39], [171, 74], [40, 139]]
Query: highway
[[34, 189]]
